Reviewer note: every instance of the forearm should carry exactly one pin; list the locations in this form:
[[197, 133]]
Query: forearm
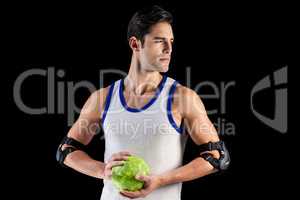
[[82, 162], [195, 169]]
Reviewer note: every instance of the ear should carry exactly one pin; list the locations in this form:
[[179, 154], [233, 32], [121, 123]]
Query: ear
[[134, 44]]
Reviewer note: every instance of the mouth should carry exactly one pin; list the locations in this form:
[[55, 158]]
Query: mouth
[[164, 59]]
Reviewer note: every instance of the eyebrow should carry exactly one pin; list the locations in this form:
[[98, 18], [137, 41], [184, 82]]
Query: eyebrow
[[162, 38]]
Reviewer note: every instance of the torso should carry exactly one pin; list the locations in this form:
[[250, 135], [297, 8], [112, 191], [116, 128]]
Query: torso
[[142, 126], [138, 101]]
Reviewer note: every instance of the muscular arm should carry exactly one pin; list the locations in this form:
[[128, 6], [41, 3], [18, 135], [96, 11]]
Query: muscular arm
[[83, 131], [201, 131]]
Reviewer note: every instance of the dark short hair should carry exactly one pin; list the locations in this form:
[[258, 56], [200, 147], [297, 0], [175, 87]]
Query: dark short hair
[[141, 22]]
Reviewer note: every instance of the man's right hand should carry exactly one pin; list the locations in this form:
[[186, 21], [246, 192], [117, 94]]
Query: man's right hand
[[116, 159]]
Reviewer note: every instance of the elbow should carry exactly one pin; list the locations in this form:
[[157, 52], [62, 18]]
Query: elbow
[[67, 146], [222, 162]]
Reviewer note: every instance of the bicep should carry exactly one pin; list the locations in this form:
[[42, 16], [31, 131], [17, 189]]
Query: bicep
[[87, 125], [196, 120]]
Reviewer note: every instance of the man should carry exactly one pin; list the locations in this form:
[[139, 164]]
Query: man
[[144, 114]]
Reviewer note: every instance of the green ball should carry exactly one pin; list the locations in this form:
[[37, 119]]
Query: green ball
[[123, 177]]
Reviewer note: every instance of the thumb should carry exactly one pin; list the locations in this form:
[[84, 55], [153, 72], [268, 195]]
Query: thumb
[[142, 178]]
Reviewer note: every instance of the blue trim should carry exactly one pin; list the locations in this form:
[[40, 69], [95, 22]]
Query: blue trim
[[169, 109], [107, 103], [158, 91]]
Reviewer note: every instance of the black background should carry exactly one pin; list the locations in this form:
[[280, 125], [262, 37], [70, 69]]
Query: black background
[[220, 43]]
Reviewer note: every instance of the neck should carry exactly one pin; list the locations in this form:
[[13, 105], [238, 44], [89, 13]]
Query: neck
[[139, 81]]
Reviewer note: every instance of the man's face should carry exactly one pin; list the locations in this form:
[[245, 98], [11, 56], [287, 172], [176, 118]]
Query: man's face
[[155, 55]]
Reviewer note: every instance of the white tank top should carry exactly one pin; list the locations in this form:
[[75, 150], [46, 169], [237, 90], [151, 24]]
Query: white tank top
[[149, 132]]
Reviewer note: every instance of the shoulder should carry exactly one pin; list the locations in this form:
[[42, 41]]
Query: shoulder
[[187, 100], [99, 94], [183, 92], [96, 101], [180, 90]]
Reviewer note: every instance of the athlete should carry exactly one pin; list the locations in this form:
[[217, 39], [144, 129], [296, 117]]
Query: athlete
[[146, 114]]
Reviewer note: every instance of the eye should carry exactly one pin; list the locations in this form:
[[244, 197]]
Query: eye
[[158, 41]]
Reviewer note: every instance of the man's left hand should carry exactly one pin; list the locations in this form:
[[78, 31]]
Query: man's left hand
[[151, 183]]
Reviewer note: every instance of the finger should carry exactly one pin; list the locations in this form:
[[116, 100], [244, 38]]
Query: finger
[[132, 194], [118, 158], [142, 178], [114, 163], [124, 153], [121, 153], [126, 195]]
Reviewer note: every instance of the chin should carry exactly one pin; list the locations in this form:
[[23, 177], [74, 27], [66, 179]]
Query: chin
[[163, 68]]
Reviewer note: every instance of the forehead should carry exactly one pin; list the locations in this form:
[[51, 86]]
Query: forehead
[[162, 29]]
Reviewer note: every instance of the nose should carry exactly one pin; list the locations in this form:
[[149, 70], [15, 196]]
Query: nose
[[167, 47]]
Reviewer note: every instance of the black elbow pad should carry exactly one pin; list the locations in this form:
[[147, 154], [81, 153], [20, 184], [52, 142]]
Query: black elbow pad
[[62, 154], [223, 162]]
